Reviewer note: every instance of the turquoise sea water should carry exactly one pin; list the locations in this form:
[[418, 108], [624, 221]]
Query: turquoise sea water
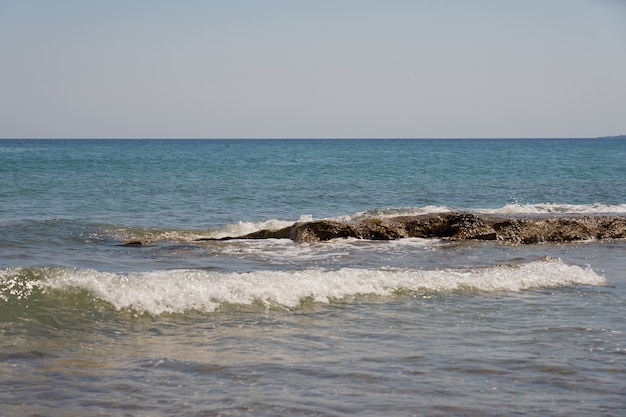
[[211, 183], [271, 327]]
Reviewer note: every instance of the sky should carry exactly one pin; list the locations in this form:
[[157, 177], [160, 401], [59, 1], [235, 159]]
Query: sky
[[312, 69]]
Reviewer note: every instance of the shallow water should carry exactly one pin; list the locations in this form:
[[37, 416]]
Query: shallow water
[[461, 353]]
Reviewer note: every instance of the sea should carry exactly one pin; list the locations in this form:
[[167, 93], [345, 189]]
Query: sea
[[178, 326]]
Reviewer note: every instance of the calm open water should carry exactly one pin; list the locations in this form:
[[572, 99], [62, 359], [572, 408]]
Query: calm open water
[[271, 327]]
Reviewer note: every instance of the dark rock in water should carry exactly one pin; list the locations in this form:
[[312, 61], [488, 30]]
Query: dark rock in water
[[560, 229], [132, 243], [323, 230], [455, 226], [468, 226]]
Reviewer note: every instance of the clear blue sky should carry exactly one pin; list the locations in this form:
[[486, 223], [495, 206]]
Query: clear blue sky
[[339, 68]]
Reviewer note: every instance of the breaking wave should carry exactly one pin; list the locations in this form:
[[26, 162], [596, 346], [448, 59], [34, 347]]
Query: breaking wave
[[178, 291], [242, 228]]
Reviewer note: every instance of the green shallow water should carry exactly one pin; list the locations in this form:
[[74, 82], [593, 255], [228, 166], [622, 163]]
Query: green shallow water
[[544, 351]]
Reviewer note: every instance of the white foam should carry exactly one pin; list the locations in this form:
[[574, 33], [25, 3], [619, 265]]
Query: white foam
[[176, 291], [243, 228], [12, 286], [549, 208], [231, 230], [286, 250], [516, 208], [148, 235]]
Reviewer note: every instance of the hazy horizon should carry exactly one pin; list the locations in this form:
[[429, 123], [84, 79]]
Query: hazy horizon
[[328, 69]]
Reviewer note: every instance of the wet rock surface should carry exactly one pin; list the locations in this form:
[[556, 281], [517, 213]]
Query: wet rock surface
[[455, 226]]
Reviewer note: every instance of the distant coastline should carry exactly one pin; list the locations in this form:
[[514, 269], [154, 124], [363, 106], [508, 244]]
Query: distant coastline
[[613, 137]]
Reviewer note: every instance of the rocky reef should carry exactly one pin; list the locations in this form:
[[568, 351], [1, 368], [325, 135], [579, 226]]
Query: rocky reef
[[455, 226]]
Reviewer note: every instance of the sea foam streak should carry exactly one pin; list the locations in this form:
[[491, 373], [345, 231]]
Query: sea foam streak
[[236, 229], [553, 208], [176, 291], [514, 208]]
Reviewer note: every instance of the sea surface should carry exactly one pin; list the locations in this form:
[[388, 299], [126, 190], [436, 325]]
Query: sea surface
[[425, 327]]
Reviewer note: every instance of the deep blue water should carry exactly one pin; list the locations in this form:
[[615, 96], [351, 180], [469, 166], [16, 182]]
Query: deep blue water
[[273, 327]]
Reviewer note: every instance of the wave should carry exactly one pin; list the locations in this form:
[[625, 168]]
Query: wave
[[126, 234], [178, 291], [515, 208], [551, 208], [18, 231], [241, 228]]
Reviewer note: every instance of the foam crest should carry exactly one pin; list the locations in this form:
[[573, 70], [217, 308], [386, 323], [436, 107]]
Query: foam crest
[[516, 208], [14, 285], [550, 208], [152, 235], [147, 235], [244, 228], [176, 291]]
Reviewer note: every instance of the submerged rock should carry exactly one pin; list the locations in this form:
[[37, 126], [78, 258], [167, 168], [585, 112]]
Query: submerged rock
[[455, 226], [132, 243]]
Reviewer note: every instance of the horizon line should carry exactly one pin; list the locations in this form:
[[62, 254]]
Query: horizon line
[[314, 138]]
